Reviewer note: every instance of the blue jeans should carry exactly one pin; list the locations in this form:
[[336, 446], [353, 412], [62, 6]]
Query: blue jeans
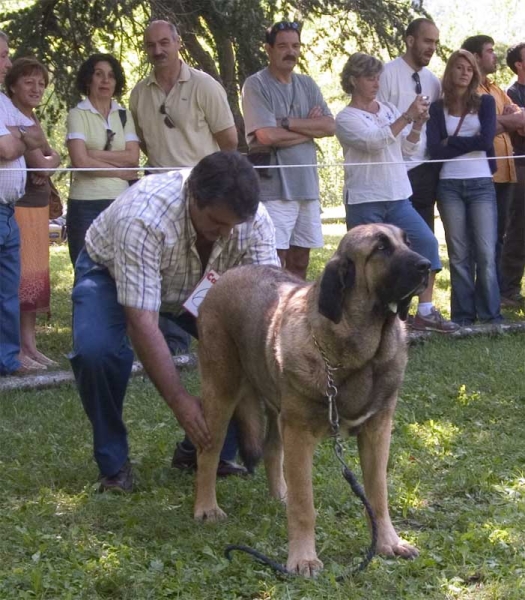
[[80, 215], [101, 360], [469, 213], [9, 282], [402, 214]]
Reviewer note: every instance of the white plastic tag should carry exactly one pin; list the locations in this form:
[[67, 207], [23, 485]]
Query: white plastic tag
[[197, 296]]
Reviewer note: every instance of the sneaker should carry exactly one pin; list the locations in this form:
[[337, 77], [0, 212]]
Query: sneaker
[[513, 301], [186, 460], [121, 482], [433, 322]]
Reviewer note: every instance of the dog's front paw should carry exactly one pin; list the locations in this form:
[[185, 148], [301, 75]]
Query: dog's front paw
[[210, 515], [398, 548], [307, 567]]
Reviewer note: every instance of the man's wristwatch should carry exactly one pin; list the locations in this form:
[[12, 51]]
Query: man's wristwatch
[[22, 130], [285, 123]]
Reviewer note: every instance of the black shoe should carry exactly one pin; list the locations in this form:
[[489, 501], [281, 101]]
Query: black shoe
[[183, 459], [121, 482], [228, 467], [186, 460]]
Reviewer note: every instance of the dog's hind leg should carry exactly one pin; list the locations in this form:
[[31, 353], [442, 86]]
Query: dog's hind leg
[[374, 445], [250, 419], [273, 459], [299, 446]]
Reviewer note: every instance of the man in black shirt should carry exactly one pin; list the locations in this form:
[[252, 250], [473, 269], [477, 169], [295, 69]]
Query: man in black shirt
[[513, 253]]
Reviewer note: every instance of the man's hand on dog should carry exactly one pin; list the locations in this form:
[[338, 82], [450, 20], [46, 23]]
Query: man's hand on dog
[[188, 412]]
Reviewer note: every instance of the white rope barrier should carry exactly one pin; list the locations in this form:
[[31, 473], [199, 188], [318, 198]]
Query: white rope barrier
[[302, 166]]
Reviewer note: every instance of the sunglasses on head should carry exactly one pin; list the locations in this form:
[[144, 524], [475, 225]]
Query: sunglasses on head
[[168, 121], [415, 77], [285, 26], [109, 139]]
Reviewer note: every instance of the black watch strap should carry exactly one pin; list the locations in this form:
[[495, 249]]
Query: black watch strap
[[285, 123]]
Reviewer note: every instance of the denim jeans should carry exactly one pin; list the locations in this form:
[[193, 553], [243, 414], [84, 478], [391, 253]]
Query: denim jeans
[[101, 360], [80, 215], [9, 282], [424, 181], [512, 264], [402, 214], [504, 194], [469, 213]]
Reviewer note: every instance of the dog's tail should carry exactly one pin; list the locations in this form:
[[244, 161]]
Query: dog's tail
[[250, 419]]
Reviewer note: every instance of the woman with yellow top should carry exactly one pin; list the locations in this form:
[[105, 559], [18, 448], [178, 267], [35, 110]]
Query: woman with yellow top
[[100, 135]]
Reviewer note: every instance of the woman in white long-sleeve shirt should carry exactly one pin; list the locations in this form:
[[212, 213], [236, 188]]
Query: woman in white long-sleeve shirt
[[377, 189]]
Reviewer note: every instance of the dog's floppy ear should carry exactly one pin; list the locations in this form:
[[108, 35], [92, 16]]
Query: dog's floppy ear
[[338, 276]]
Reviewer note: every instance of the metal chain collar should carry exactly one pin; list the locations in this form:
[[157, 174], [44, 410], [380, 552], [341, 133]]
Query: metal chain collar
[[333, 413]]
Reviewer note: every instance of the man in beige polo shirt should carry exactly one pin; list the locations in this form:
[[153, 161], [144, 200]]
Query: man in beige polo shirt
[[181, 115]]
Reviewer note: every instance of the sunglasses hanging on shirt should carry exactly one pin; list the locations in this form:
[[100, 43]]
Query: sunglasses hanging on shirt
[[109, 139], [417, 80], [168, 121]]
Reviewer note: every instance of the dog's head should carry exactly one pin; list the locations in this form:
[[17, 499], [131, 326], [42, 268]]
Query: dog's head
[[378, 261]]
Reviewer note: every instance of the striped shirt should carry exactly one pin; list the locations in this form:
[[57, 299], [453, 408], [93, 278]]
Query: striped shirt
[[147, 241], [12, 183]]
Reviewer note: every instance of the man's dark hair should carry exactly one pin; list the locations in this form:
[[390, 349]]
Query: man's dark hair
[[475, 43], [87, 68], [514, 56], [271, 32], [228, 179], [415, 25]]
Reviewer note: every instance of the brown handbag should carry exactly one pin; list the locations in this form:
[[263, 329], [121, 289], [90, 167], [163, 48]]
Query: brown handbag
[[55, 203]]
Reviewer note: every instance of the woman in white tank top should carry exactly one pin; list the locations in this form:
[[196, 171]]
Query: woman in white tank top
[[462, 125]]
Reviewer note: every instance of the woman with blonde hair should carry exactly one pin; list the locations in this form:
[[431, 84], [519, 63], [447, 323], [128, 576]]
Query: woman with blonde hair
[[25, 84], [377, 190], [463, 124]]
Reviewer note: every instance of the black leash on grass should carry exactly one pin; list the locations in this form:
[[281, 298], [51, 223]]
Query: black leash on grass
[[358, 491], [333, 417]]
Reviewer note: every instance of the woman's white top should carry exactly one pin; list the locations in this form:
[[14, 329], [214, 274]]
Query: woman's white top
[[465, 169], [366, 139]]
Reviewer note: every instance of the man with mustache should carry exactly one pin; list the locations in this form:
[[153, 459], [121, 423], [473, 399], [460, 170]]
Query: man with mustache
[[181, 115], [402, 80], [284, 113]]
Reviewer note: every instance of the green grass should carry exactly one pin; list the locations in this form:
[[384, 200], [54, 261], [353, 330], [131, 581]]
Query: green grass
[[456, 479]]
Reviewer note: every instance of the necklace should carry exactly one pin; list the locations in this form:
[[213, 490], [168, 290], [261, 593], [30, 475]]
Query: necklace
[[373, 107]]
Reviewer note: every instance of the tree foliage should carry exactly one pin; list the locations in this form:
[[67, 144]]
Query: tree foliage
[[221, 37]]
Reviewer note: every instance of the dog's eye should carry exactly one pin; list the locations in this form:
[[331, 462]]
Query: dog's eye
[[383, 246]]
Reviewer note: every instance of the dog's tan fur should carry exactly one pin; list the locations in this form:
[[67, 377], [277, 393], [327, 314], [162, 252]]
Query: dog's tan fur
[[257, 351]]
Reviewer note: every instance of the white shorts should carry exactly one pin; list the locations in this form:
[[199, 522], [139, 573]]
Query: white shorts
[[296, 222]]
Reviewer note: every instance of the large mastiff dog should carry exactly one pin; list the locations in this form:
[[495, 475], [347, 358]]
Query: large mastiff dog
[[263, 334]]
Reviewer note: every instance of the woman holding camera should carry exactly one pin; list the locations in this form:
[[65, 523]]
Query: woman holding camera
[[377, 189]]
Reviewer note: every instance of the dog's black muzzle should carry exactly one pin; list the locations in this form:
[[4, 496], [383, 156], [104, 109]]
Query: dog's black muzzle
[[408, 277]]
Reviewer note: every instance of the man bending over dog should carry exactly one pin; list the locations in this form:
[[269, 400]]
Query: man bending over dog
[[145, 254]]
